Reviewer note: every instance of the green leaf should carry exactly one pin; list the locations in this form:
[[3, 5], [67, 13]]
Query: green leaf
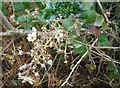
[[40, 5], [84, 15], [90, 20], [102, 40], [91, 67], [105, 26], [76, 45], [99, 21], [113, 75], [29, 18], [67, 23], [87, 5], [22, 18], [0, 5], [27, 26], [41, 19], [91, 15], [26, 4], [102, 37], [110, 66], [17, 82], [81, 50], [49, 5], [4, 10], [118, 30], [113, 71], [19, 6]]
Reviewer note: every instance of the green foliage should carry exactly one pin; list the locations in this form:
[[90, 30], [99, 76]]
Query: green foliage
[[90, 16], [22, 18], [0, 5], [99, 21], [4, 10], [59, 14], [105, 26], [19, 6], [87, 5], [80, 50], [67, 23], [103, 40], [113, 71]]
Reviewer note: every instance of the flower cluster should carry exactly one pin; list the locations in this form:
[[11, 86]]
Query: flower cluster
[[40, 55], [32, 37]]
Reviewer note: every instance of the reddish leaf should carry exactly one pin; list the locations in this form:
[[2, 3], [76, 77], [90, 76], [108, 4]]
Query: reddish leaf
[[95, 30]]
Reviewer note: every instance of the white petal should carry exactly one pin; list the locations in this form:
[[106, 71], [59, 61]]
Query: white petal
[[31, 82], [36, 74], [22, 67], [20, 52], [50, 62], [34, 29], [19, 74], [43, 65]]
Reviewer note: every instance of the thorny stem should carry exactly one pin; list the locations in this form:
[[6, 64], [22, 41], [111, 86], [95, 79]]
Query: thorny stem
[[65, 51], [5, 48], [106, 47], [105, 16], [77, 64], [74, 68], [48, 41]]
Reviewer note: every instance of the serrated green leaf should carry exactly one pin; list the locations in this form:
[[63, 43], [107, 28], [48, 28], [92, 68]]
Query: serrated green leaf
[[67, 23], [99, 21], [22, 18]]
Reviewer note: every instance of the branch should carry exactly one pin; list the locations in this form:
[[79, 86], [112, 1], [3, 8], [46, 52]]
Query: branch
[[77, 64], [5, 22], [105, 16], [20, 32], [106, 47], [5, 48], [105, 57]]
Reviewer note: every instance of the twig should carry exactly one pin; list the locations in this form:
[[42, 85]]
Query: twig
[[107, 58], [77, 64], [11, 30], [105, 16], [74, 68], [5, 22], [106, 47], [15, 32], [5, 48]]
